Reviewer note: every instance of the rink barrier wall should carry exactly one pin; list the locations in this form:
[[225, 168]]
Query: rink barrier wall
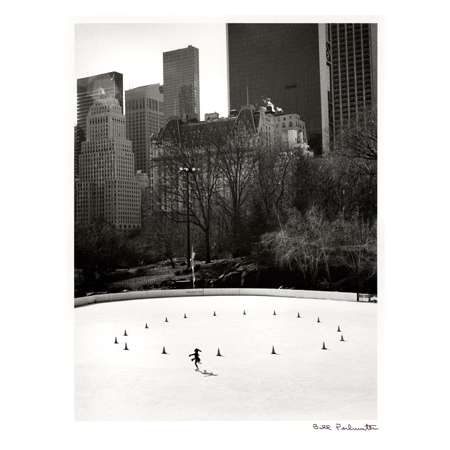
[[166, 293]]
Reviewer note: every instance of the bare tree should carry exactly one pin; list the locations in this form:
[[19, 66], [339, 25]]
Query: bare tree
[[204, 188], [358, 138], [358, 141], [159, 229], [194, 147], [237, 164], [273, 182], [303, 244], [224, 154], [310, 243], [355, 241]]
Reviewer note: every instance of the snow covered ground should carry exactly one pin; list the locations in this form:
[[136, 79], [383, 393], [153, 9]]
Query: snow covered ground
[[301, 382]]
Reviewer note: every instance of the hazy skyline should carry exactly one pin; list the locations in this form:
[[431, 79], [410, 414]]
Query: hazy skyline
[[136, 51]]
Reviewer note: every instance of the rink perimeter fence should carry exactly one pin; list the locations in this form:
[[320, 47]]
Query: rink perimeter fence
[[211, 292]]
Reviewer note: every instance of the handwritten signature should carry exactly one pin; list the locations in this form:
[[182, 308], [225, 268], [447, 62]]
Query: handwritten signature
[[345, 427]]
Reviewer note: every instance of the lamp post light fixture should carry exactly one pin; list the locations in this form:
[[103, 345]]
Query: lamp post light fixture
[[187, 171]]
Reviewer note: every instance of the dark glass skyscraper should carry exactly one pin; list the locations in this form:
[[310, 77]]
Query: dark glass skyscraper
[[181, 84], [285, 62], [304, 69], [353, 52], [90, 89]]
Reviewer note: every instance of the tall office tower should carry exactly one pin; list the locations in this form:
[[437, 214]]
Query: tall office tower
[[106, 188], [144, 118], [353, 51], [181, 84], [90, 89], [77, 139], [286, 63]]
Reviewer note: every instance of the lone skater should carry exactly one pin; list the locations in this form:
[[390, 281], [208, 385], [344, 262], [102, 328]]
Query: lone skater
[[196, 358]]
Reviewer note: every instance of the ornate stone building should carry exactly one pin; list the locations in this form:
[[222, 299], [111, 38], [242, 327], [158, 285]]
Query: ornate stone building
[[107, 189]]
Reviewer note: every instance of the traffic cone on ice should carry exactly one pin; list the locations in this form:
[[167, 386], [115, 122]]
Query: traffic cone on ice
[[218, 352], [323, 346], [339, 329], [126, 346], [244, 313], [164, 351], [318, 319], [214, 314], [185, 316], [273, 350], [166, 320], [298, 316], [125, 333], [342, 338], [115, 340], [146, 326], [274, 313]]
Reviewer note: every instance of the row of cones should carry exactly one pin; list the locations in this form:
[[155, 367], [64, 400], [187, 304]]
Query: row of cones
[[324, 347], [163, 350], [146, 326], [244, 314]]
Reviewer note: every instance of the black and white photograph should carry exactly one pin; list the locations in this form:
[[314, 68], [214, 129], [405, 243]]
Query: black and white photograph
[[225, 199], [224, 225]]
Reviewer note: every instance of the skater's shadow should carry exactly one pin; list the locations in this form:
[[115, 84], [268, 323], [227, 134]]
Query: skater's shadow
[[208, 374]]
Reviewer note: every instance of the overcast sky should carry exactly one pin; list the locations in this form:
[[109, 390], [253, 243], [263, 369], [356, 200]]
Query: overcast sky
[[135, 50]]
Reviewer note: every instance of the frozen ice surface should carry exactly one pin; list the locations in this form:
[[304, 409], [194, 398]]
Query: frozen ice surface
[[301, 382]]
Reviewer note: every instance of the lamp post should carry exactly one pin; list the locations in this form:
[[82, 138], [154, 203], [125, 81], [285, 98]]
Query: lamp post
[[187, 171]]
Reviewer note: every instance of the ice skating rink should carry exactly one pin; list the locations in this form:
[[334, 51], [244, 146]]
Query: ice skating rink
[[300, 382]]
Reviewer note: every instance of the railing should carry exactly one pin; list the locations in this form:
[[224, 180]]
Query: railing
[[203, 292]]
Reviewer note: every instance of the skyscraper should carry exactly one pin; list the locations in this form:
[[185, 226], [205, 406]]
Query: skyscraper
[[144, 118], [283, 62], [181, 84], [106, 188], [301, 68], [90, 89], [353, 54]]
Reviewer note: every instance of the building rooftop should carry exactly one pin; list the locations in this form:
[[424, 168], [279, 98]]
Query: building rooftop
[[154, 91], [112, 74], [207, 131], [111, 103]]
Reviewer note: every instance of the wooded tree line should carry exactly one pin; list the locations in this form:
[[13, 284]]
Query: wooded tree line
[[307, 213], [331, 227]]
